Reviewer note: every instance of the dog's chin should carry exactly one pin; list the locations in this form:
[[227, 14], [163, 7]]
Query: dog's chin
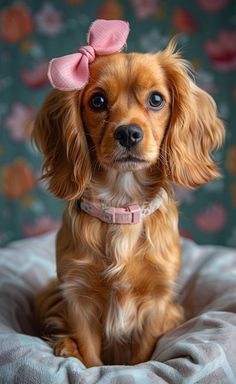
[[129, 163], [130, 166]]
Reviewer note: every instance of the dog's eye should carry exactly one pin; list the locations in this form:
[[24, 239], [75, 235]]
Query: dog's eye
[[155, 101], [98, 102]]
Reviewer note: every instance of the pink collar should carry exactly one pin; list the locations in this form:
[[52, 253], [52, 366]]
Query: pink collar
[[132, 214]]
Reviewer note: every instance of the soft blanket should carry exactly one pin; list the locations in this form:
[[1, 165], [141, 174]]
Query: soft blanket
[[202, 350]]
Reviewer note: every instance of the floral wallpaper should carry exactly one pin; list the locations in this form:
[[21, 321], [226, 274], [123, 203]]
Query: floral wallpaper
[[33, 32]]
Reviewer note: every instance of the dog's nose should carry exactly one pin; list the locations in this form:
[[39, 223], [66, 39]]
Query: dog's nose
[[128, 135]]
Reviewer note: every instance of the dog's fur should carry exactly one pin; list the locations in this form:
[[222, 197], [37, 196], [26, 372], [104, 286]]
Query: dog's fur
[[113, 297]]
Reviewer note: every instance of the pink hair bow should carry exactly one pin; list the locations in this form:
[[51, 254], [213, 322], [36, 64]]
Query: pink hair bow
[[71, 72]]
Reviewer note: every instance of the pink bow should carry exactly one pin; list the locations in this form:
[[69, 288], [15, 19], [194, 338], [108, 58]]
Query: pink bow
[[71, 72]]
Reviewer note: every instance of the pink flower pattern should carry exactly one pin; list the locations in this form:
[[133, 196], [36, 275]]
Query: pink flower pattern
[[37, 76], [49, 20], [222, 50], [41, 225], [20, 121], [145, 8], [212, 5], [35, 32], [212, 220]]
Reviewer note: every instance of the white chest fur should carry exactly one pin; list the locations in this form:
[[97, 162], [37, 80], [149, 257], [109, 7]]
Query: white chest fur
[[121, 317], [119, 189]]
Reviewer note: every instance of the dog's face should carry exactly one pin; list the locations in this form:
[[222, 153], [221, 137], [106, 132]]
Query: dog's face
[[138, 111], [125, 109]]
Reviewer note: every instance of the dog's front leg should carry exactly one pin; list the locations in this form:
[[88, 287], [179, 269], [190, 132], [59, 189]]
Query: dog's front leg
[[83, 340], [83, 296], [88, 337], [158, 324], [142, 349]]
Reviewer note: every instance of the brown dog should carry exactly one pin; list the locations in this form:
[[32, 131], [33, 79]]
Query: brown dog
[[140, 124]]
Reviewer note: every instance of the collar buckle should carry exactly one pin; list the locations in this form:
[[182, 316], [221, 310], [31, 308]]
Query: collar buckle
[[135, 211], [128, 215]]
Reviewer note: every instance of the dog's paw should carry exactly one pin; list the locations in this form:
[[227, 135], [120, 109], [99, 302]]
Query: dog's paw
[[66, 347]]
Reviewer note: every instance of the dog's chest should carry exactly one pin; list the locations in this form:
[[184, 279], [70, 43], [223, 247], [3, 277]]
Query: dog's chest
[[121, 312], [128, 297], [121, 308]]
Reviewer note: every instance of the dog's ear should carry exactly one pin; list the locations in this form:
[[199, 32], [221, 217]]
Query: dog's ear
[[59, 135], [194, 129]]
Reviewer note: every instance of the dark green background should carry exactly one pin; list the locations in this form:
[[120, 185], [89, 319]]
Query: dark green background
[[207, 214]]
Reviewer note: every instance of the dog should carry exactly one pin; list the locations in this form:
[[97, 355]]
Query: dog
[[116, 133]]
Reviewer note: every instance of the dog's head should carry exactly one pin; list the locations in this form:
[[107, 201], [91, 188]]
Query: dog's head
[[137, 111]]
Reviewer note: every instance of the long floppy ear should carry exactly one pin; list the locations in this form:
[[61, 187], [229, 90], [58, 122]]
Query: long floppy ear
[[194, 130], [59, 135]]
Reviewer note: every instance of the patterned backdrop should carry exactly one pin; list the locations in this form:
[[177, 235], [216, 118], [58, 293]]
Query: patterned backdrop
[[32, 32]]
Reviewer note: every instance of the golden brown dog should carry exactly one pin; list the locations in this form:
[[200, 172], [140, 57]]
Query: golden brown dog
[[140, 124]]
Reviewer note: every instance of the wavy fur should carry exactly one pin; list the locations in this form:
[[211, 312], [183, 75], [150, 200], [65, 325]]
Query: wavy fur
[[114, 293]]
